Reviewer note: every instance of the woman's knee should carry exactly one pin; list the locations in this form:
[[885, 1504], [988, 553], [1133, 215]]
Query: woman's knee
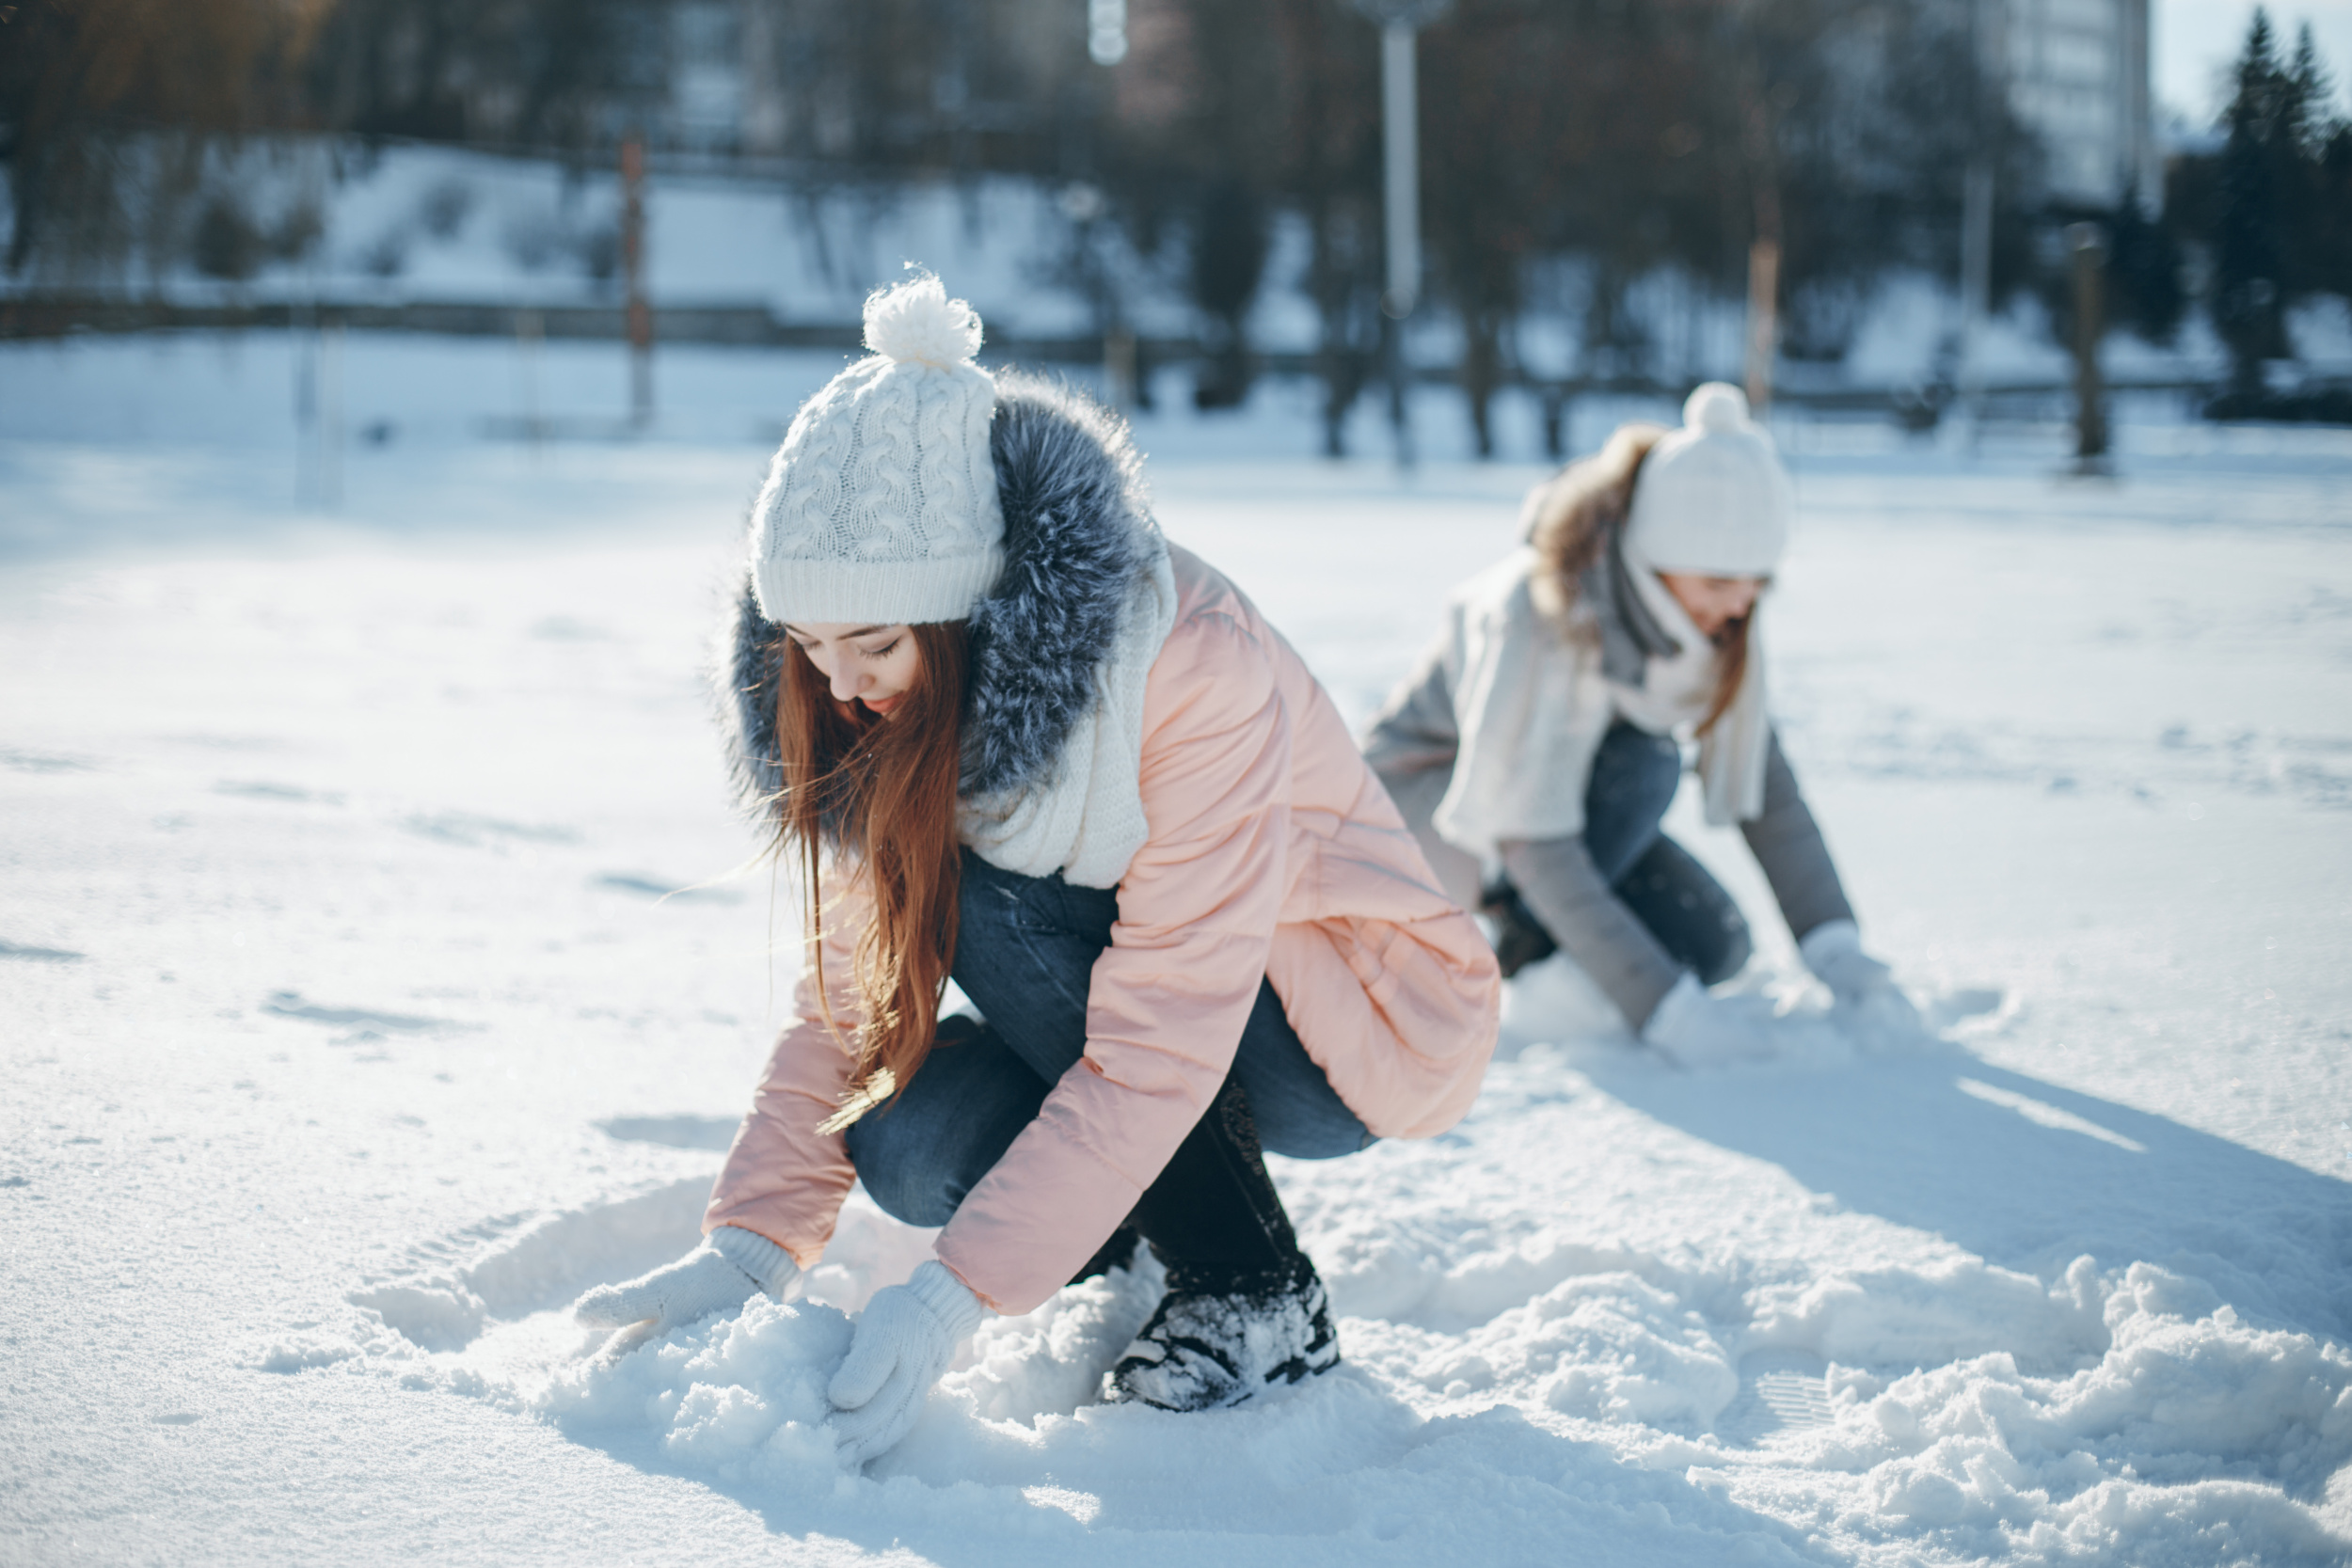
[[919, 1153], [909, 1174], [1688, 911], [1736, 948], [1325, 1137], [1298, 1112]]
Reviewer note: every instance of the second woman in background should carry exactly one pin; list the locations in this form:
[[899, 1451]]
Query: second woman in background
[[1539, 741]]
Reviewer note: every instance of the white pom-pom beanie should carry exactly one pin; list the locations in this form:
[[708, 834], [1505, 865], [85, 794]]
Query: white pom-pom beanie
[[881, 506], [1712, 496]]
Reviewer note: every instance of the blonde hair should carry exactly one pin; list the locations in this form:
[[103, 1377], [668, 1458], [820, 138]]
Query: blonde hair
[[1573, 514], [1568, 528]]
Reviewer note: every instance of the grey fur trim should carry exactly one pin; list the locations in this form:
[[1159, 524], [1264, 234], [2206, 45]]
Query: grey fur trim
[[1077, 530], [1077, 533], [750, 674]]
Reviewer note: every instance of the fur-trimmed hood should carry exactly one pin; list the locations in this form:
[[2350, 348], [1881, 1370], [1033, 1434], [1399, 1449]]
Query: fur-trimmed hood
[[1575, 524], [1078, 532]]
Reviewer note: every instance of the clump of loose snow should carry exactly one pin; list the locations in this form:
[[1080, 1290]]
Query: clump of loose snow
[[740, 1398], [2191, 1422], [1940, 1405]]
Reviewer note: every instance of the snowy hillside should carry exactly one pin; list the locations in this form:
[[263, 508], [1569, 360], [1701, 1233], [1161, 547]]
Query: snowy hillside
[[381, 967]]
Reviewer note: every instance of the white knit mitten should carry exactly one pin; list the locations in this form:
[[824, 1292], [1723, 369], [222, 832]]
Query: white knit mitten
[[717, 1276], [1863, 985], [1695, 1031], [904, 1340]]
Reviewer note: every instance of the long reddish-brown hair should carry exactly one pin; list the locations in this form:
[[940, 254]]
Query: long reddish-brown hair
[[882, 792], [1731, 668], [1570, 528]]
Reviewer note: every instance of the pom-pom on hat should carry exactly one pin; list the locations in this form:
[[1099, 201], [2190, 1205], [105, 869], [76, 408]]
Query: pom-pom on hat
[[881, 506], [1712, 496]]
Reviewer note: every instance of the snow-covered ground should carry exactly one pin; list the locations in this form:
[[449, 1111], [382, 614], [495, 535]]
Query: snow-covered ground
[[347, 1034]]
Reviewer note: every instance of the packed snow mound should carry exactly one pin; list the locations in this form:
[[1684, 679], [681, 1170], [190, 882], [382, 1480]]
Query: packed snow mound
[[741, 1399], [2189, 1420]]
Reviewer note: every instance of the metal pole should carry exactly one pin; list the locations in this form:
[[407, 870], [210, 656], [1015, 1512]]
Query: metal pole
[[332, 414], [1764, 249], [1987, 41], [633, 276], [2088, 246], [1401, 153], [1401, 147], [1763, 322], [305, 319], [530, 327], [1976, 285], [1400, 22]]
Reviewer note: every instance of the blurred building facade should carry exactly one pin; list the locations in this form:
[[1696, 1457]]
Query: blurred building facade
[[2078, 73]]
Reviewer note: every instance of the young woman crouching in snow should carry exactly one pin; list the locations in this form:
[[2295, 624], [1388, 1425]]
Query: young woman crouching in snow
[[1541, 734], [1015, 738]]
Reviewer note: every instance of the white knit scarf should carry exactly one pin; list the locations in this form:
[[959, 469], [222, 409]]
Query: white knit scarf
[[1678, 690], [1086, 819]]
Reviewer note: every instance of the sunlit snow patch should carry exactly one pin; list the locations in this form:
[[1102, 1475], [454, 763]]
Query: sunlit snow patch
[[2043, 1115]]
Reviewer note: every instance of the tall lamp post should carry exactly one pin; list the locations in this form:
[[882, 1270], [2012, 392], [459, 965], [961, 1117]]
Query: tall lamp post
[[1988, 47], [1400, 22]]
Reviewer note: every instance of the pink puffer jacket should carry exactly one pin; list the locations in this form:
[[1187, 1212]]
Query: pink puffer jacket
[[1274, 852]]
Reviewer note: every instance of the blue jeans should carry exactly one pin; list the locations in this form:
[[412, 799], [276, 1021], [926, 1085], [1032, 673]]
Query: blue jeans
[[1024, 955], [1634, 778]]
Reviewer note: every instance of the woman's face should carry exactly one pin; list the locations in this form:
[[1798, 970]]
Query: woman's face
[[869, 664], [1712, 603]]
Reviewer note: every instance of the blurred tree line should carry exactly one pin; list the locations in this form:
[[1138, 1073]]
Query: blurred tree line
[[1571, 149], [2270, 210]]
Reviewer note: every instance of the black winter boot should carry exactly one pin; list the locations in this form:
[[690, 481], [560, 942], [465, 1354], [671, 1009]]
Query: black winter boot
[[1244, 1310], [1217, 1340], [1520, 938]]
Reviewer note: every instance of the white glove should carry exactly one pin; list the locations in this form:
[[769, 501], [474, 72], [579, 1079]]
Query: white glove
[[903, 1342], [1832, 951], [717, 1276], [1696, 1030]]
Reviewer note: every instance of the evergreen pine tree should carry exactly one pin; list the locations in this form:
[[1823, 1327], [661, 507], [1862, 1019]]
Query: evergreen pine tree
[[2249, 239], [2305, 131], [2332, 212], [2144, 265]]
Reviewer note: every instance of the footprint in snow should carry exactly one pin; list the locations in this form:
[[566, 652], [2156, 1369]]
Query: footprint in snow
[[663, 890], [289, 1004], [264, 789], [39, 955]]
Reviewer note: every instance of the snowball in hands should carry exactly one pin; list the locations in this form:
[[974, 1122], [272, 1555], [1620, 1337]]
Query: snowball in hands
[[904, 1343], [1695, 1030], [717, 1276], [1832, 951]]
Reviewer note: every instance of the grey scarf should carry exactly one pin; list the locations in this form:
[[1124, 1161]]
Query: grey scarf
[[1631, 636]]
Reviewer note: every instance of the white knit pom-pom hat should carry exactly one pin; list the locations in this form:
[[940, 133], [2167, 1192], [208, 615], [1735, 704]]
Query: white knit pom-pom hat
[[881, 506], [1712, 498]]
